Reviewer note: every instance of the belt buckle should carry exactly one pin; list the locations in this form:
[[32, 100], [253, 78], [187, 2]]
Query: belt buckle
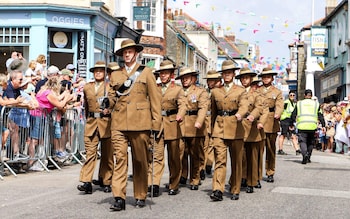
[[97, 115], [164, 113], [208, 113], [225, 113]]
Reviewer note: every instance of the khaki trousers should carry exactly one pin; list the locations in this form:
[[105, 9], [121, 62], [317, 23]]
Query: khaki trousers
[[139, 141], [261, 159], [174, 163], [270, 153], [252, 150], [236, 148], [208, 151], [194, 146], [106, 163]]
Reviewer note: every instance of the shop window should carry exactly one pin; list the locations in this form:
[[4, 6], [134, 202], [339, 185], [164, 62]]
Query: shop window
[[151, 24], [14, 35]]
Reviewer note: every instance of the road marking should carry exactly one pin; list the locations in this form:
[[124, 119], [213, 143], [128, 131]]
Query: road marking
[[313, 192]]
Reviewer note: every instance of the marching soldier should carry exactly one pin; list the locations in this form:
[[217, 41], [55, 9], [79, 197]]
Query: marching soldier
[[252, 136], [213, 80], [229, 104], [112, 66], [170, 133], [273, 101], [193, 124], [256, 83], [136, 114], [97, 129]]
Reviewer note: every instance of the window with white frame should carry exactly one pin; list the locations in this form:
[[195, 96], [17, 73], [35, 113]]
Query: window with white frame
[[151, 24]]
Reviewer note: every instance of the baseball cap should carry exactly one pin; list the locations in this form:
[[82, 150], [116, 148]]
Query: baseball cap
[[53, 70], [66, 72], [70, 67]]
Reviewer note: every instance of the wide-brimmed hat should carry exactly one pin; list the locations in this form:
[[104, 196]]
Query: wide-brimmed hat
[[186, 71], [52, 70], [245, 71], [267, 71], [165, 65], [256, 80], [99, 64], [212, 74], [113, 66], [128, 43], [228, 65], [70, 67]]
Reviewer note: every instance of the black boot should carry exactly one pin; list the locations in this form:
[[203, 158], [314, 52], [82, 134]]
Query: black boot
[[118, 205], [244, 183], [85, 187], [155, 190], [202, 174], [208, 169]]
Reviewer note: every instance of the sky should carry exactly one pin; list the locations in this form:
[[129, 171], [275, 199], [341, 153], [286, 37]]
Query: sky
[[271, 24]]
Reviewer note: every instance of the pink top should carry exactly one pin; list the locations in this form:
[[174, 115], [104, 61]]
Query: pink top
[[44, 103]]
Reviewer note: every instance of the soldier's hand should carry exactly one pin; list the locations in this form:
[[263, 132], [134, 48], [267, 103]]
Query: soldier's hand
[[250, 118], [178, 118], [239, 117], [106, 111], [198, 125], [277, 116], [260, 126]]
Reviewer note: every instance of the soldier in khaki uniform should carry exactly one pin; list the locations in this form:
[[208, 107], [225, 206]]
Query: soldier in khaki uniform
[[170, 133], [193, 127], [137, 113], [112, 66], [97, 129], [229, 104], [213, 80], [252, 136], [256, 83], [273, 101]]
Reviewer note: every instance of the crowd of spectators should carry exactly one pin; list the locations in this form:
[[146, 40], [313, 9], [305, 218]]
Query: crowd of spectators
[[29, 89]]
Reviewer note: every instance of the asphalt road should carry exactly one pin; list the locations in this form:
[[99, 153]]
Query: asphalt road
[[320, 189]]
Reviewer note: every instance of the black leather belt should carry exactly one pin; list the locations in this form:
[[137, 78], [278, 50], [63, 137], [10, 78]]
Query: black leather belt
[[191, 112], [272, 109], [169, 112], [98, 115], [227, 113]]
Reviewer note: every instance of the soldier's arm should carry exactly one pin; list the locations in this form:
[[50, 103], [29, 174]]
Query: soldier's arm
[[181, 105], [279, 105], [214, 109], [242, 105], [155, 97], [258, 108], [202, 107]]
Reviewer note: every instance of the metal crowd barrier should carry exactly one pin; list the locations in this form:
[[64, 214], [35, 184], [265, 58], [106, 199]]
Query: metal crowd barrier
[[30, 136]]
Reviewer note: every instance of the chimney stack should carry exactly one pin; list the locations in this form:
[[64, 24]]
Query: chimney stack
[[330, 6]]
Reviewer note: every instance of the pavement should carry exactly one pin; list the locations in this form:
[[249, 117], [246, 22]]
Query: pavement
[[319, 189]]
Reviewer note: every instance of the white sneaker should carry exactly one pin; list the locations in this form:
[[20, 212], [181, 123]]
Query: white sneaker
[[36, 167]]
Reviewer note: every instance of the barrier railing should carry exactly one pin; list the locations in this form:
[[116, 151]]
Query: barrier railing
[[32, 137]]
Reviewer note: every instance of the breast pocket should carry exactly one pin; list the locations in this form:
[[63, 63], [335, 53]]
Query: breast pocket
[[141, 86]]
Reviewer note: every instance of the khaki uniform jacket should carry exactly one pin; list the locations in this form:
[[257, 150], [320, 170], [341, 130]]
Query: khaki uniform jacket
[[208, 118], [172, 99], [272, 101], [140, 110], [227, 127], [255, 108], [195, 99], [103, 125]]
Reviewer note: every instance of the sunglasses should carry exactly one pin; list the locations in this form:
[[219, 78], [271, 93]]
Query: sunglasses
[[292, 95]]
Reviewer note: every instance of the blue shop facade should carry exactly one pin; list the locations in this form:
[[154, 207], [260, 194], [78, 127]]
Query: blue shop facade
[[80, 36]]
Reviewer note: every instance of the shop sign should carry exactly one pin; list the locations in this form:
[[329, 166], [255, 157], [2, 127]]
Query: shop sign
[[141, 13], [82, 54], [319, 41]]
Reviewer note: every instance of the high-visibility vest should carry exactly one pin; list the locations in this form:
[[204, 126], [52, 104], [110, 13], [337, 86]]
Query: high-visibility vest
[[287, 113], [307, 114]]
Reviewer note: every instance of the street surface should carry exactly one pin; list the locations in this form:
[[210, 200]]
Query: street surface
[[320, 189]]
